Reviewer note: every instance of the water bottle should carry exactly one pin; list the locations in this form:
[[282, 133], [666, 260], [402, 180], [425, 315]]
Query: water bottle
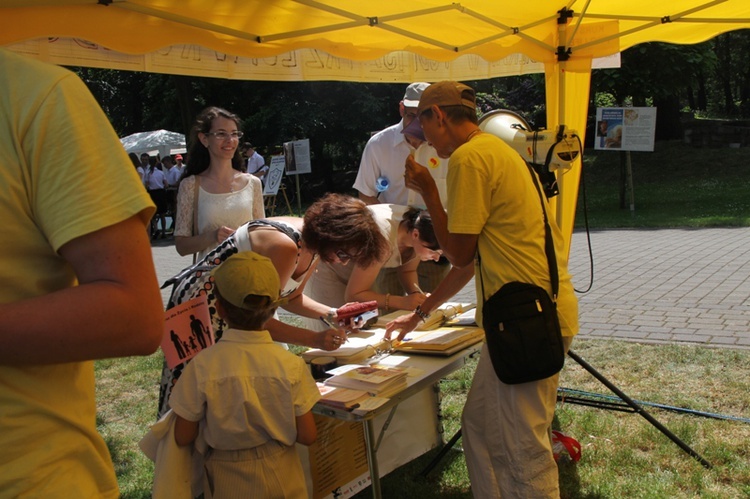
[[381, 184]]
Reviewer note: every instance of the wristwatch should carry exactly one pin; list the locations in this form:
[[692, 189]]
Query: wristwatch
[[332, 316]]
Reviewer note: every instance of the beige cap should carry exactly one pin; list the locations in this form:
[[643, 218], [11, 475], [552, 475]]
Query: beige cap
[[447, 93], [246, 273]]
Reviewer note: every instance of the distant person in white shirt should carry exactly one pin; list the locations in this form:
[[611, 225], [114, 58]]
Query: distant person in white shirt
[[172, 172], [180, 164], [256, 165]]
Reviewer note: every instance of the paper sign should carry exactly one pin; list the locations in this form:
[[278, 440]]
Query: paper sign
[[274, 176], [187, 331], [297, 157], [625, 128]]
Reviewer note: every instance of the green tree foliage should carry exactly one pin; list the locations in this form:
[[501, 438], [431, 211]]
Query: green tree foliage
[[710, 78]]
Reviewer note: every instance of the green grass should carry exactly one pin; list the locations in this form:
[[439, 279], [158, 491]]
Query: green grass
[[623, 454], [674, 186]]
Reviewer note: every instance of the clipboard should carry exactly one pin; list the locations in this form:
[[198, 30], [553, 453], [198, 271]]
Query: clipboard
[[442, 341]]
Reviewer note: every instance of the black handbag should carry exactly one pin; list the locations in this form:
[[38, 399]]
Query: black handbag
[[521, 324]]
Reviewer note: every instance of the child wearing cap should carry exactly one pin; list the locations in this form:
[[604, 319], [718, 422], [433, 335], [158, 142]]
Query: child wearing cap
[[250, 397]]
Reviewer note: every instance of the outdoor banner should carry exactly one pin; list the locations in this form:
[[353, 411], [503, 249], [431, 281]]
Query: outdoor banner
[[625, 128], [274, 175], [297, 154], [187, 331]]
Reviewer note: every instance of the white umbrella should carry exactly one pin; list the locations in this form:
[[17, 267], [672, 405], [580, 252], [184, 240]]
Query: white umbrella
[[162, 141]]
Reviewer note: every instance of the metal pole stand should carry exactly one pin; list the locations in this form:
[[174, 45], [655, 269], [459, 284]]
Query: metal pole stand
[[630, 402], [638, 409]]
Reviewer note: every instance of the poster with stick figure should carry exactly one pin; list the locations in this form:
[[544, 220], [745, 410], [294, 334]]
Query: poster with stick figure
[[187, 331]]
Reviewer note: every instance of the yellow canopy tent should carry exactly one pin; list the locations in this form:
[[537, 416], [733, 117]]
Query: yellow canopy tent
[[384, 40]]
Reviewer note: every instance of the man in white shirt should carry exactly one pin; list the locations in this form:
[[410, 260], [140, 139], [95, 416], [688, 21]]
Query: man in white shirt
[[173, 173], [256, 165], [384, 157], [180, 165]]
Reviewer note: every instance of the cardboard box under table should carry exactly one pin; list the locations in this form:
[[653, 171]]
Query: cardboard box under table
[[351, 448]]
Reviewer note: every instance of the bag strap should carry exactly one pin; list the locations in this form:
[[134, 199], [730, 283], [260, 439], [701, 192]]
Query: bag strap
[[549, 245], [196, 192]]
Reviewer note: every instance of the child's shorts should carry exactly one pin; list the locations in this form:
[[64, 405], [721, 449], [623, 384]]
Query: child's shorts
[[271, 470]]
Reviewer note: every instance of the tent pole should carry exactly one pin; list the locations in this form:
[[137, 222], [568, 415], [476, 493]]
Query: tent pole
[[561, 121]]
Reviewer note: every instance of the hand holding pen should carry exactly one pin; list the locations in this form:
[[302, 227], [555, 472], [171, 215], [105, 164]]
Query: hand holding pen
[[339, 338]]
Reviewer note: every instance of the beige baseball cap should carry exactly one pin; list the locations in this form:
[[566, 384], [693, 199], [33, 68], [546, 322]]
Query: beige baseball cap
[[246, 273]]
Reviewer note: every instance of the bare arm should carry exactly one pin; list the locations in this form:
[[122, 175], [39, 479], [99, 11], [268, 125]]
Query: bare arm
[[453, 282], [185, 432], [368, 199], [287, 333], [115, 311], [307, 433]]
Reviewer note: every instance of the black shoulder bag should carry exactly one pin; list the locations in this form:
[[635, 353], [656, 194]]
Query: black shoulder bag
[[521, 324]]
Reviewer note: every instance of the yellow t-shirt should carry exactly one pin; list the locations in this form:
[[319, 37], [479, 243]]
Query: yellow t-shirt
[[489, 193], [63, 174]]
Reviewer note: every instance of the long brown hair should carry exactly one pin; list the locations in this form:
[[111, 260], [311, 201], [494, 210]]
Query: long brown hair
[[340, 222], [198, 154]]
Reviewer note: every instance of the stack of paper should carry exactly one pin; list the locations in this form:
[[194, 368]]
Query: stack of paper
[[378, 381], [358, 347], [342, 398]]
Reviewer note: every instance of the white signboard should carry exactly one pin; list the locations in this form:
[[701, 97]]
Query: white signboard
[[625, 128], [297, 154], [274, 175]]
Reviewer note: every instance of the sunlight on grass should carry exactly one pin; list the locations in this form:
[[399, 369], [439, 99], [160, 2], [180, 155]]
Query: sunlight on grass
[[623, 454]]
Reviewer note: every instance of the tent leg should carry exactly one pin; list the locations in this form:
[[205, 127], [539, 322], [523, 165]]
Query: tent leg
[[637, 408], [448, 446]]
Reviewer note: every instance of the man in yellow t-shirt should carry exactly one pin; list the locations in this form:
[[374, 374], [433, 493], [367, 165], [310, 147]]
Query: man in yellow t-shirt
[[495, 210], [78, 279]]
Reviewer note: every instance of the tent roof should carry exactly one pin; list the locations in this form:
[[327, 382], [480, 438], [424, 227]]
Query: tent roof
[[163, 141], [437, 31]]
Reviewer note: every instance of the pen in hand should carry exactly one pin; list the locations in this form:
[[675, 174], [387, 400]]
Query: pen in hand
[[338, 339]]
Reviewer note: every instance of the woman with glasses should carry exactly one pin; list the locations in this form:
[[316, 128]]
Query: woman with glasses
[[215, 196], [411, 240], [335, 228]]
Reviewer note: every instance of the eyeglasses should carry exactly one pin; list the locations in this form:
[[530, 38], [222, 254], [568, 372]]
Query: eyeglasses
[[226, 135], [343, 256]]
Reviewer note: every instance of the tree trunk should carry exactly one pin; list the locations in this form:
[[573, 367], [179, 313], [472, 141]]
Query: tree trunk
[[186, 101], [668, 125]]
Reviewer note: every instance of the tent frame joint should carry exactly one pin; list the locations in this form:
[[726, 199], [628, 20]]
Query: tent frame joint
[[666, 20], [563, 54], [373, 21], [565, 14]]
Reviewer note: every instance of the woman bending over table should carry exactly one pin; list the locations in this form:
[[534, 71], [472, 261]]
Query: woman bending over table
[[411, 240]]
